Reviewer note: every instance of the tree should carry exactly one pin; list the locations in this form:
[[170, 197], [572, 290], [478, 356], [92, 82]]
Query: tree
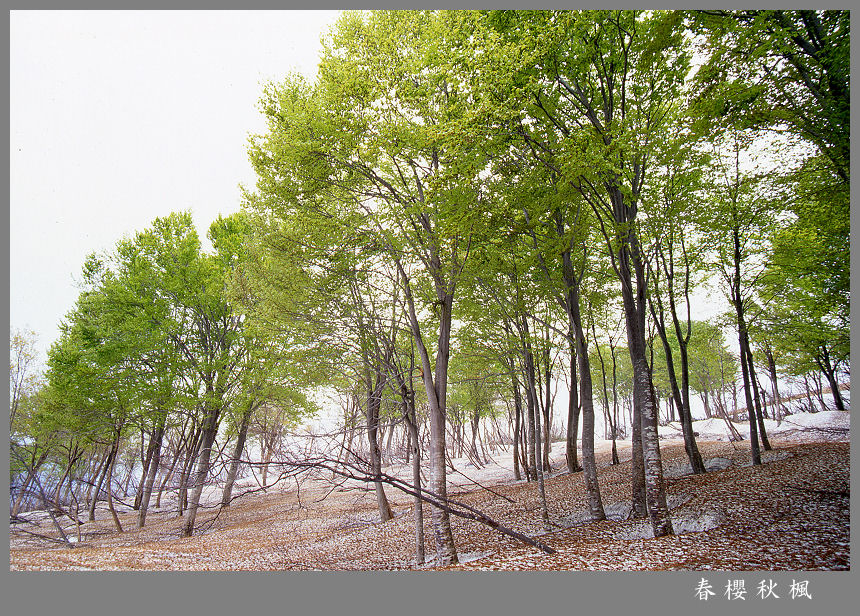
[[772, 68], [742, 210], [373, 143], [204, 324], [23, 370], [672, 271], [807, 284], [606, 80]]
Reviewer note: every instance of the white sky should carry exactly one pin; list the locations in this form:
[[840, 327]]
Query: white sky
[[117, 117]]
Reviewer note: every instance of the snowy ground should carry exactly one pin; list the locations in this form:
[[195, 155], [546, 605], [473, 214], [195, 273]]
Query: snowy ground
[[824, 425], [790, 513]]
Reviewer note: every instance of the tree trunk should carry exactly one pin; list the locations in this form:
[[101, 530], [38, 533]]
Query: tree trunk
[[147, 460], [227, 494], [98, 485], [112, 466], [743, 341], [374, 401], [572, 415], [756, 401], [60, 484], [436, 387], [706, 404], [473, 448], [518, 414], [165, 479], [615, 459], [266, 453], [546, 408], [209, 431], [148, 480], [530, 427], [777, 401], [829, 371], [408, 396], [128, 478], [19, 500], [586, 397], [192, 449], [630, 262], [534, 426]]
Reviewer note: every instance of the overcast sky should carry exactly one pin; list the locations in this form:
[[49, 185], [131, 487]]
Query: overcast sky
[[120, 117]]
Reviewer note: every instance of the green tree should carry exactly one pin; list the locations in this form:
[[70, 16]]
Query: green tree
[[374, 144], [605, 81], [780, 68]]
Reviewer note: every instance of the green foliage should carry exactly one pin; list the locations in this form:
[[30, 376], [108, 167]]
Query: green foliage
[[773, 68], [510, 159], [711, 362]]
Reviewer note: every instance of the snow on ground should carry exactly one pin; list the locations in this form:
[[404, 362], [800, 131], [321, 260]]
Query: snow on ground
[[823, 424], [336, 527]]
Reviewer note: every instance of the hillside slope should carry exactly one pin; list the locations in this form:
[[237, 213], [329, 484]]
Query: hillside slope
[[791, 513]]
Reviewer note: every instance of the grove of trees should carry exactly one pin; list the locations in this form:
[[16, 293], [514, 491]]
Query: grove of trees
[[462, 213]]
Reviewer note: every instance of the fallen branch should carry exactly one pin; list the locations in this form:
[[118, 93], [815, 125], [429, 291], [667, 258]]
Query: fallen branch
[[459, 509]]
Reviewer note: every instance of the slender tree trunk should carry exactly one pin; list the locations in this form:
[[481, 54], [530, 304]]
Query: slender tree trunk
[[373, 405], [146, 461], [227, 494], [534, 427], [58, 489], [634, 311], [98, 485], [93, 476], [266, 458], [209, 431], [473, 447], [530, 428], [112, 466], [743, 340], [188, 464], [572, 415], [148, 479], [753, 424], [19, 500], [615, 459], [546, 408], [436, 387], [128, 478], [756, 401], [682, 395], [165, 479], [586, 403], [637, 465], [408, 396], [518, 412], [777, 402], [829, 371], [706, 404]]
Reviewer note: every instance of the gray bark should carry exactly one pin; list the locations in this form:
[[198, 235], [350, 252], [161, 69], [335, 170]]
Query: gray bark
[[374, 401], [210, 430], [241, 437], [436, 387], [152, 470], [630, 265]]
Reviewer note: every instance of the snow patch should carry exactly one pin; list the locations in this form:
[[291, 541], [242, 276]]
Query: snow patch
[[682, 523], [681, 468], [771, 456], [620, 511]]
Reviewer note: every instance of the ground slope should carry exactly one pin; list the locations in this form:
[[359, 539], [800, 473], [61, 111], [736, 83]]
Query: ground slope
[[791, 513]]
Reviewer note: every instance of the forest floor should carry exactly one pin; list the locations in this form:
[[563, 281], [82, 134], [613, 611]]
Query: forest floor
[[790, 513]]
